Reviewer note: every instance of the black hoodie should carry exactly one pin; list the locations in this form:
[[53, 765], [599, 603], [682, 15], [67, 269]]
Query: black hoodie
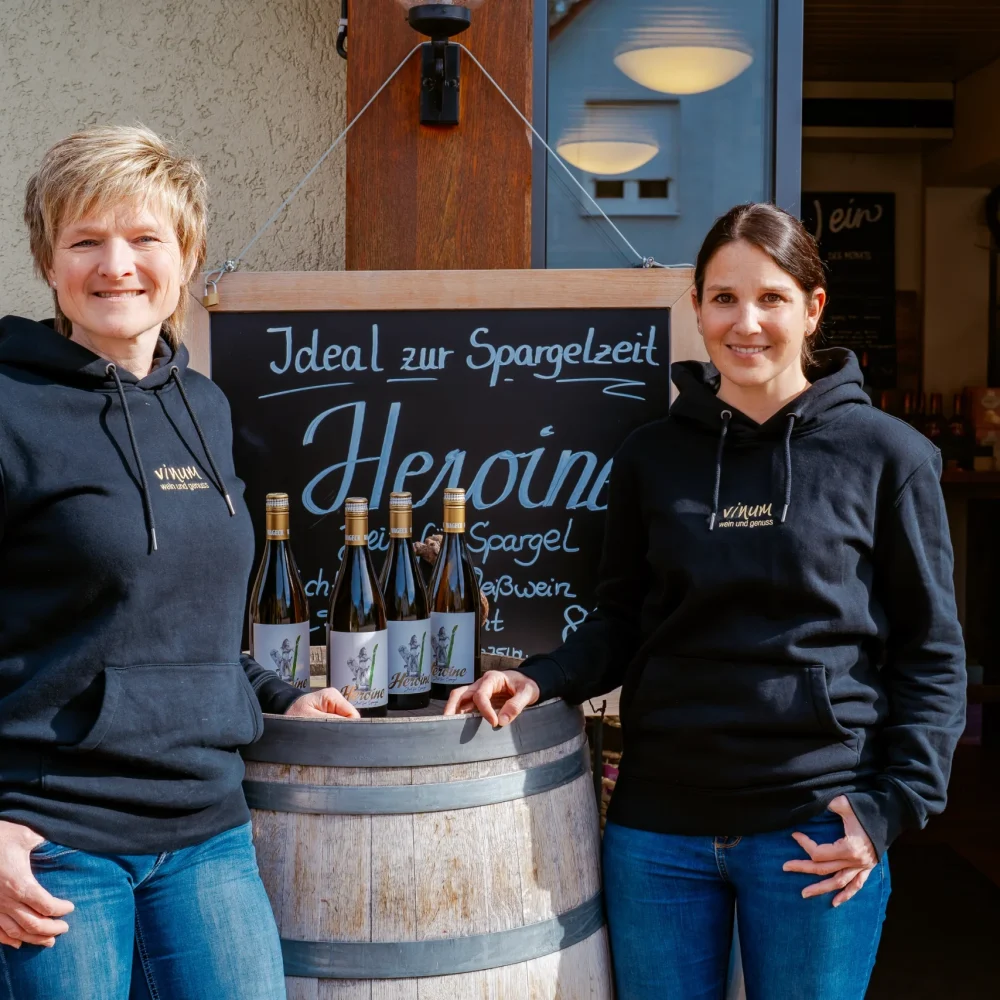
[[123, 575], [777, 601]]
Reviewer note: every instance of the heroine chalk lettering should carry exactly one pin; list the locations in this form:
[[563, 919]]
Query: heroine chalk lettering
[[581, 471]]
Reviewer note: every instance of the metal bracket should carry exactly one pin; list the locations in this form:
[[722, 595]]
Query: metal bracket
[[439, 83]]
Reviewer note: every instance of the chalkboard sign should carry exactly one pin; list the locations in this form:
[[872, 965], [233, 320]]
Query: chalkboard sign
[[857, 241], [523, 405]]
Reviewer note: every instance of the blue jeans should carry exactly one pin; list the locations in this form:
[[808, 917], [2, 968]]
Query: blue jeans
[[670, 906], [193, 924]]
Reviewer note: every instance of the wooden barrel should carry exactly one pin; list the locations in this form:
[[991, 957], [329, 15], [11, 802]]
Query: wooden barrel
[[424, 858]]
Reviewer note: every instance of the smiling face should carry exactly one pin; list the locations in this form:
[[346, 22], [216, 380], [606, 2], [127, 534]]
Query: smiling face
[[754, 318], [117, 274]]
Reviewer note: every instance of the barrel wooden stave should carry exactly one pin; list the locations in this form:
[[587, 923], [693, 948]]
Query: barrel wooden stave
[[418, 877]]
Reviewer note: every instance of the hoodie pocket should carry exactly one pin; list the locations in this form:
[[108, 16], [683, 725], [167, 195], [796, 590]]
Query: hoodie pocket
[[713, 723], [170, 714]]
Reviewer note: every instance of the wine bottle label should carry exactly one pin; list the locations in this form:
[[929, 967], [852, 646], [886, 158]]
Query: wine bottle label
[[285, 650], [409, 657], [358, 666], [453, 647]]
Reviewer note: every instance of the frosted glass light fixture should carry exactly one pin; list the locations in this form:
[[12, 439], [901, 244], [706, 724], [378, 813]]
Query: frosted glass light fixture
[[608, 139], [688, 50], [440, 60]]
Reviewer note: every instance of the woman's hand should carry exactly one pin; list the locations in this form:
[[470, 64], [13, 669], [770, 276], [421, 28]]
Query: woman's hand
[[27, 912], [318, 704], [508, 690], [848, 862]]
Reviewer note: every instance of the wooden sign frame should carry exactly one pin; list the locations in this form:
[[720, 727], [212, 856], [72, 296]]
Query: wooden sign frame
[[342, 291]]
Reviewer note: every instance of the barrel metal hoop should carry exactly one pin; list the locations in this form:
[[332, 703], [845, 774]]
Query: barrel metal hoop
[[449, 956], [384, 800], [426, 742]]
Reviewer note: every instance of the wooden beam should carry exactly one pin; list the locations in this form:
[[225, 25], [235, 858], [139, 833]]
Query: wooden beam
[[321, 291], [197, 334], [439, 197]]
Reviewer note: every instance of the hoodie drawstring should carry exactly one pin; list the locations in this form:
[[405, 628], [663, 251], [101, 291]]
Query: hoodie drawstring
[[220, 483], [792, 417], [147, 505], [727, 415]]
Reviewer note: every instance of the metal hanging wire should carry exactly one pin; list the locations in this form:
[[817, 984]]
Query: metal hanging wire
[[233, 263], [213, 276], [645, 261]]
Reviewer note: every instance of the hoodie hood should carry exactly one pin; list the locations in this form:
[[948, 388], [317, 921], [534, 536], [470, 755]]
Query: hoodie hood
[[37, 347], [836, 383]]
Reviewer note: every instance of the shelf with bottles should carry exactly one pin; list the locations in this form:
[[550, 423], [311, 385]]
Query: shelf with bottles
[[967, 444]]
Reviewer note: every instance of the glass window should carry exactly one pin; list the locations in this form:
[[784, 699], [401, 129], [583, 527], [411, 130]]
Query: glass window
[[664, 113]]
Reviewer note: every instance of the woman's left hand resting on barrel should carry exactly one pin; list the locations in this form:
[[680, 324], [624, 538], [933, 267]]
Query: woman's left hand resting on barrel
[[508, 690], [317, 704], [847, 862]]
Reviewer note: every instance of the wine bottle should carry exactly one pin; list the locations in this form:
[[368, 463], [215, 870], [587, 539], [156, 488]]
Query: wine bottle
[[960, 438], [279, 610], [934, 423], [454, 605], [921, 415], [409, 649], [357, 638], [909, 415]]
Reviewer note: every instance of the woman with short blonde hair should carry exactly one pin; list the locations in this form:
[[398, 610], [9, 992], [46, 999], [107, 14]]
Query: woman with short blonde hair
[[127, 868]]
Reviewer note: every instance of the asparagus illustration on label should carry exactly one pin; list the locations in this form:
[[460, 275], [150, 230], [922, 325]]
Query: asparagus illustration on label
[[295, 655], [420, 668], [451, 644], [371, 675]]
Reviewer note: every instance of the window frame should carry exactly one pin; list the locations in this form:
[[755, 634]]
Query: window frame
[[784, 168]]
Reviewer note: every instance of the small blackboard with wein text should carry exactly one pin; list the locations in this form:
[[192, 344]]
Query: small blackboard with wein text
[[856, 233], [518, 386]]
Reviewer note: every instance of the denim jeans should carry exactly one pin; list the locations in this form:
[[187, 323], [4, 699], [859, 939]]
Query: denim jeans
[[193, 924], [671, 902]]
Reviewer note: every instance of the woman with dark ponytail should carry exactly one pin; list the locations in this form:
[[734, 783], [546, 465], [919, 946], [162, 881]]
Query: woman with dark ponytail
[[776, 601]]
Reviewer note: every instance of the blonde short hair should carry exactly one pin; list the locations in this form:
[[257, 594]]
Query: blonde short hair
[[99, 168]]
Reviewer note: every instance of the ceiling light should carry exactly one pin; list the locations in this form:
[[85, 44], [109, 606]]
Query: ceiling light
[[608, 139], [601, 156], [684, 52]]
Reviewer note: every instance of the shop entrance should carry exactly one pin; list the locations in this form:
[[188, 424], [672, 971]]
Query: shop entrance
[[899, 159]]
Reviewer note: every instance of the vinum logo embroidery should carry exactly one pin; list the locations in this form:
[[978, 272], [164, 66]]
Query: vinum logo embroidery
[[742, 515], [186, 477]]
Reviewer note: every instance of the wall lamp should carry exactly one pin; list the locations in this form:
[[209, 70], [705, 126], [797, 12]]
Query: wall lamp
[[440, 60]]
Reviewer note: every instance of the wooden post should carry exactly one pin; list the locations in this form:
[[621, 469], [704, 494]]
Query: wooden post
[[439, 197]]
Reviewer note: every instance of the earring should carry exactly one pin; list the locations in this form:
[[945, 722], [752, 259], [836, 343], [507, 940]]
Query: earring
[[53, 284]]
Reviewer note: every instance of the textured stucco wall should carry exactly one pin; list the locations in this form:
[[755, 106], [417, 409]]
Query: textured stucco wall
[[254, 88]]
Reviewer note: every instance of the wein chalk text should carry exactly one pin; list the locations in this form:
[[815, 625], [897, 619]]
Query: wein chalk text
[[851, 217], [507, 586], [553, 356], [580, 472]]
